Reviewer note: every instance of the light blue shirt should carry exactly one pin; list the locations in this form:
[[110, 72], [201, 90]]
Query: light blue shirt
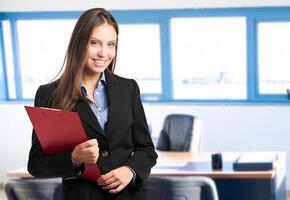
[[100, 105]]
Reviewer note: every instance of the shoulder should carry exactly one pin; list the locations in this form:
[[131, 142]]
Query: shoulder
[[48, 88], [44, 93], [118, 78], [121, 85], [121, 81]]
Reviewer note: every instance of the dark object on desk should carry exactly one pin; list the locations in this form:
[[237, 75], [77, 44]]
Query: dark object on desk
[[176, 187], [217, 161], [176, 134], [24, 189], [248, 162]]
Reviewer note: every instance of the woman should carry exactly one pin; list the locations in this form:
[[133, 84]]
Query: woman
[[111, 113]]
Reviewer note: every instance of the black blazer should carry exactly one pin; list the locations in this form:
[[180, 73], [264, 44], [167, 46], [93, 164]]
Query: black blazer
[[126, 141]]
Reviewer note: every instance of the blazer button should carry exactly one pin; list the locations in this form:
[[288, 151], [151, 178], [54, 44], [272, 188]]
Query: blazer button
[[105, 153]]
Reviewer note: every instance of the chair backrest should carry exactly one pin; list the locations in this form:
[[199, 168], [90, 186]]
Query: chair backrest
[[33, 189], [181, 188], [180, 133]]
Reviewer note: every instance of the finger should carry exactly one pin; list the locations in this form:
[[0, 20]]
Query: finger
[[118, 189], [94, 148], [104, 177], [108, 181], [113, 185], [91, 153], [89, 143]]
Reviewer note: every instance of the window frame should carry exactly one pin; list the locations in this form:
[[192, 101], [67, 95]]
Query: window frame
[[268, 97], [162, 17]]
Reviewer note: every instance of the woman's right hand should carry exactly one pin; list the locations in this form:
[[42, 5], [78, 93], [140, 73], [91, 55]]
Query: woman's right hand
[[86, 152]]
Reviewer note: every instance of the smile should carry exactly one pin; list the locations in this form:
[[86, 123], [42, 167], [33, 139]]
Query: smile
[[99, 62]]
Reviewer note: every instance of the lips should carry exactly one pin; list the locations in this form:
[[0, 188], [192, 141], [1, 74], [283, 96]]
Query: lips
[[99, 62]]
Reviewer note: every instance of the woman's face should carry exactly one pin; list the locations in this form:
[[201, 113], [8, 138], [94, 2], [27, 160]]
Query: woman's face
[[101, 49]]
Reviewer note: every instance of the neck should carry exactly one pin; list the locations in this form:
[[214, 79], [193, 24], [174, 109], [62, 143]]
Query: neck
[[91, 81]]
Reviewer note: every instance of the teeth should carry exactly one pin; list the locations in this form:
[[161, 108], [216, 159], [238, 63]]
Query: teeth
[[100, 61]]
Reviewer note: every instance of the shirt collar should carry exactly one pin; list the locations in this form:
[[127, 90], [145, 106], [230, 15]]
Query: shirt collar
[[102, 81]]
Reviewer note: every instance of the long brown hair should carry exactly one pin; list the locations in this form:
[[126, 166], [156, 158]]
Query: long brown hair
[[68, 91]]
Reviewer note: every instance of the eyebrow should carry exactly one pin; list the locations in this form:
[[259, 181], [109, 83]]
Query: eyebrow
[[93, 38]]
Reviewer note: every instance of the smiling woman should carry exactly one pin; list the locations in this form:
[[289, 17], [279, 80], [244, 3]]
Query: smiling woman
[[101, 50], [122, 149]]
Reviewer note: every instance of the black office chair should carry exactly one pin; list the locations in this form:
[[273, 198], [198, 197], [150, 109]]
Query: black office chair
[[180, 133], [33, 189], [181, 188]]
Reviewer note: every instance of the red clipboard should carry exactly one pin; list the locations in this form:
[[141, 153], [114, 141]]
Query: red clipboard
[[60, 131]]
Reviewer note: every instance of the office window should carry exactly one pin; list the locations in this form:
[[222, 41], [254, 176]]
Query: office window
[[3, 85], [274, 57], [139, 56], [209, 58], [8, 53], [42, 47], [221, 55]]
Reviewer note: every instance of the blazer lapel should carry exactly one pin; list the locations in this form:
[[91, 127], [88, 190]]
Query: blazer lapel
[[114, 100], [87, 116]]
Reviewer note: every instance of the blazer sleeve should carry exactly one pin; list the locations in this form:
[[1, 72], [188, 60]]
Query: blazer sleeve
[[40, 164], [144, 156]]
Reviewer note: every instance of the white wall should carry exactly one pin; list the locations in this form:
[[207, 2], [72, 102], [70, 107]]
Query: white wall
[[233, 128], [15, 134], [52, 5], [226, 128]]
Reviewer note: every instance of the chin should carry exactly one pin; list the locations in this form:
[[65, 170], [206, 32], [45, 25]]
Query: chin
[[92, 69], [98, 69]]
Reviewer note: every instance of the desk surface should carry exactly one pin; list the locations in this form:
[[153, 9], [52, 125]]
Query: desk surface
[[190, 164]]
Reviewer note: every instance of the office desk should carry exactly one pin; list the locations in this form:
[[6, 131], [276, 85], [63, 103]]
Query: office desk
[[231, 185]]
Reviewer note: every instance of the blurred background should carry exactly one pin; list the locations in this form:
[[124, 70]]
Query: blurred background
[[225, 61]]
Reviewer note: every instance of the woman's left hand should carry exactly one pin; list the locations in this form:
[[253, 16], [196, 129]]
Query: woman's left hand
[[116, 180]]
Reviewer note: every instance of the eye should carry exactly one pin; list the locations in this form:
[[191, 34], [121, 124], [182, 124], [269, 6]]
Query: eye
[[111, 44], [95, 43]]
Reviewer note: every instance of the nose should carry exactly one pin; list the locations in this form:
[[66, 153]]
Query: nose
[[102, 52]]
